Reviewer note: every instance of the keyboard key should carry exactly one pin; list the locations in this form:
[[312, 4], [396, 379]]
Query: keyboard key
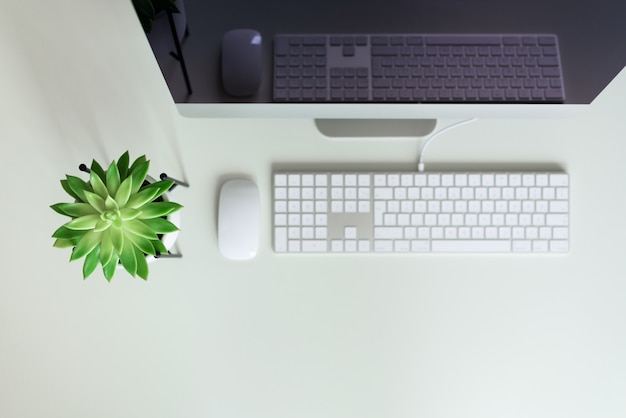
[[280, 239], [388, 232], [559, 246], [559, 206], [383, 245], [522, 246], [314, 246], [557, 220], [471, 246]]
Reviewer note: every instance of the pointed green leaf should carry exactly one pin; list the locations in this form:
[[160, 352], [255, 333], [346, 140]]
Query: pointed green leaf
[[83, 223], [74, 210], [128, 214], [144, 244], [66, 186], [162, 185], [117, 239], [91, 262], [139, 228], [140, 160], [79, 187], [158, 246], [98, 185], [157, 209], [127, 257], [97, 168], [106, 248], [110, 267], [113, 178], [122, 165], [102, 225], [160, 225], [65, 233], [96, 201], [87, 243], [123, 192], [111, 204], [139, 175], [64, 243], [142, 264], [145, 196]]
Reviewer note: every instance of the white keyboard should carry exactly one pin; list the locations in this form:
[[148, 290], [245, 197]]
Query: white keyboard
[[403, 212]]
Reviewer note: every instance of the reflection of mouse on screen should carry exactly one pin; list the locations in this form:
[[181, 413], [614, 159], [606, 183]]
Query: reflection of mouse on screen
[[241, 62]]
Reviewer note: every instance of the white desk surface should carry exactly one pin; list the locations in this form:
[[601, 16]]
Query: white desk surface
[[285, 336]]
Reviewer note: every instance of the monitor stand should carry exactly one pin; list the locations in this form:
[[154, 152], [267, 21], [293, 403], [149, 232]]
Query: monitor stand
[[380, 128]]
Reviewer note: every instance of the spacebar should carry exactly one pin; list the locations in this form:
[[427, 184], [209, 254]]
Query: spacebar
[[478, 246], [463, 40]]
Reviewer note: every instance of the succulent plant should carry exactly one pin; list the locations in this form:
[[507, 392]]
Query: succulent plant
[[116, 217]]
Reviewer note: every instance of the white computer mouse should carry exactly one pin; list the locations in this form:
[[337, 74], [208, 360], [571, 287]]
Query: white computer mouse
[[238, 219]]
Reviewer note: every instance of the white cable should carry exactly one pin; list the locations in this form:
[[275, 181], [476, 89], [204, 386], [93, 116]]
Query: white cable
[[420, 164]]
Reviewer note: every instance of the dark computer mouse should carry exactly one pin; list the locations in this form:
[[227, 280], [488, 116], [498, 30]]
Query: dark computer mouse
[[241, 62]]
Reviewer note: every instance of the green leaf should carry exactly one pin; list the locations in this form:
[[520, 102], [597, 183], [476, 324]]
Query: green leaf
[[160, 225], [97, 168], [110, 267], [113, 178], [66, 186], [83, 223], [122, 165], [74, 210], [139, 228], [106, 248], [158, 246], [127, 256], [139, 175], [128, 214], [123, 192], [64, 243], [162, 185], [96, 201], [65, 233], [98, 185], [144, 244], [102, 225], [117, 239], [79, 187], [111, 204], [142, 264], [157, 209], [145, 196], [87, 243], [91, 262], [140, 160]]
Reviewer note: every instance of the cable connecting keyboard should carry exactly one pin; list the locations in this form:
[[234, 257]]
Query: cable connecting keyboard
[[418, 68], [488, 212]]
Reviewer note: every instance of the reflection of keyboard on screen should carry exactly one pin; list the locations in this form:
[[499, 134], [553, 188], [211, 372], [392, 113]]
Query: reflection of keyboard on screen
[[486, 212], [417, 68]]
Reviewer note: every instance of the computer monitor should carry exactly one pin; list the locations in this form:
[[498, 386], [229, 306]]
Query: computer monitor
[[208, 21]]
